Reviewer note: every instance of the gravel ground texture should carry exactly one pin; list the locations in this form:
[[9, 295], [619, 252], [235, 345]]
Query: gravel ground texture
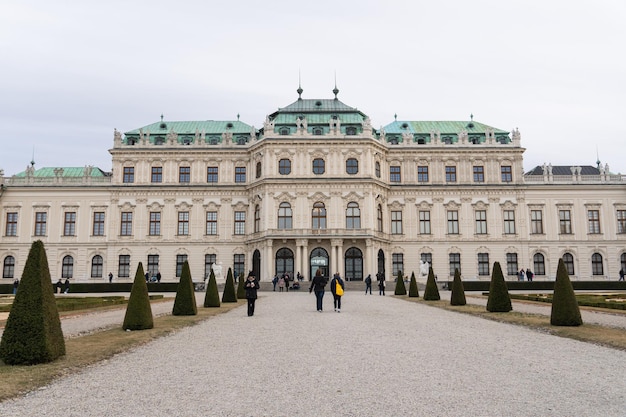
[[381, 356]]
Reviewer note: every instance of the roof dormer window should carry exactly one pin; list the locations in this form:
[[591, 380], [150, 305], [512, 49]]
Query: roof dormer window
[[284, 131]]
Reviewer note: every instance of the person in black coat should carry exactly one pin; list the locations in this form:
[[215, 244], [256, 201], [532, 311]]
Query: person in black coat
[[317, 285], [251, 286]]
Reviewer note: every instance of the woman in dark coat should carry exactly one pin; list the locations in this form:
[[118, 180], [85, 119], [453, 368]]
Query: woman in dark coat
[[251, 286], [317, 285]]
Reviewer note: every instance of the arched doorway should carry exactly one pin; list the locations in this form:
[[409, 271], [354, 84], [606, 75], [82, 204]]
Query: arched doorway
[[354, 264], [256, 265], [381, 263], [284, 262], [319, 260]]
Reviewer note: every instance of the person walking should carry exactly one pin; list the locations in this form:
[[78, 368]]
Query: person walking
[[16, 284], [281, 283], [368, 284], [158, 275], [520, 275], [66, 285], [274, 282], [251, 286], [621, 274], [318, 284], [336, 287], [381, 284], [110, 277], [529, 275]]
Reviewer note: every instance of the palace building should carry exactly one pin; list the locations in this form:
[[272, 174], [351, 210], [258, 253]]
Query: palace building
[[317, 187]]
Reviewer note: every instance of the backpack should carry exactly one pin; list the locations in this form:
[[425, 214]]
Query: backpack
[[338, 288]]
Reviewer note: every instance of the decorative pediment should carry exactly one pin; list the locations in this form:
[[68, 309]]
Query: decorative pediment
[[396, 205], [319, 196], [352, 196], [424, 205], [508, 205], [480, 205], [452, 205]]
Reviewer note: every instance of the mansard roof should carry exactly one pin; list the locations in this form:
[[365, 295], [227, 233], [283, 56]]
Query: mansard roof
[[565, 170], [65, 172], [317, 111], [191, 127], [443, 127]]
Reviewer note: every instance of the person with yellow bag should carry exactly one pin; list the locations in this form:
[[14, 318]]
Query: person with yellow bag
[[337, 288]]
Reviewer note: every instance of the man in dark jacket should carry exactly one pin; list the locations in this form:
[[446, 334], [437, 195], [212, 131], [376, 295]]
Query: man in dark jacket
[[317, 285], [251, 286]]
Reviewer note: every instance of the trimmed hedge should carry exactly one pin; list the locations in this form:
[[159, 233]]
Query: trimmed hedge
[[138, 312], [241, 290], [413, 290], [229, 295], [431, 292], [400, 287], [457, 298], [565, 311], [499, 300], [33, 331], [185, 301], [212, 296]]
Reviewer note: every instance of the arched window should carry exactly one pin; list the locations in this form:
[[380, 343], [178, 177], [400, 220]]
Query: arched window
[[258, 169], [284, 216], [318, 216], [379, 218], [96, 266], [8, 271], [377, 169], [354, 264], [596, 264], [539, 264], [257, 218], [67, 268], [353, 216], [568, 260], [284, 131], [284, 262]]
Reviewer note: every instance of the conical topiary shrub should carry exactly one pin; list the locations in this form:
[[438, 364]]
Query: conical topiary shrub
[[241, 290], [457, 298], [499, 299], [229, 295], [413, 291], [138, 312], [185, 301], [431, 292], [212, 296], [400, 287], [565, 310], [33, 332]]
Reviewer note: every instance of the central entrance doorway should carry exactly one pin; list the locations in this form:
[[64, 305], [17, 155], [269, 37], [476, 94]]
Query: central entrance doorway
[[319, 260]]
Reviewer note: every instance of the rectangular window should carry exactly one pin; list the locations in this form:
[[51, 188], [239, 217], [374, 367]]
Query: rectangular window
[[98, 223], [536, 222], [180, 261], [153, 265], [240, 222], [128, 175], [621, 221], [565, 222], [397, 263], [240, 174], [183, 223], [239, 264], [209, 260], [424, 222], [479, 174], [481, 222], [450, 174], [69, 225], [123, 266], [11, 227], [211, 222], [454, 262], [453, 222], [157, 174], [594, 221], [155, 223], [41, 219], [511, 264], [509, 222], [257, 219], [126, 224], [506, 173], [394, 174], [211, 174], [422, 174], [483, 264], [184, 174], [396, 222]]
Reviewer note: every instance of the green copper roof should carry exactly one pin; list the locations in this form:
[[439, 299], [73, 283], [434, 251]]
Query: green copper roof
[[314, 118], [317, 106], [444, 127], [190, 127], [68, 172]]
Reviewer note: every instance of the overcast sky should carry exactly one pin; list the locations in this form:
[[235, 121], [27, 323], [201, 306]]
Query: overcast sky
[[72, 71]]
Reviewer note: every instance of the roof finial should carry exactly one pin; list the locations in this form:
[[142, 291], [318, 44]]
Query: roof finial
[[32, 160], [299, 90], [161, 116], [237, 116], [395, 117], [471, 117], [335, 90], [598, 162]]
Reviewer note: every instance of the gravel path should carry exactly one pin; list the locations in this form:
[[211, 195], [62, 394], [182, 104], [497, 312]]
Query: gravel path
[[380, 356]]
